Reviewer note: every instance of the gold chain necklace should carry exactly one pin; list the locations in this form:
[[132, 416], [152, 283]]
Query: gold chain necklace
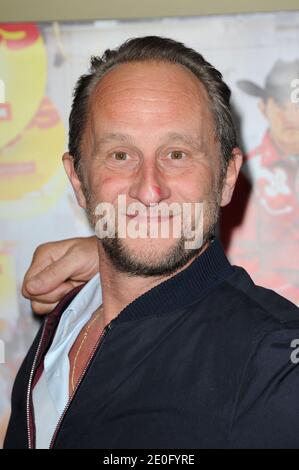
[[87, 328]]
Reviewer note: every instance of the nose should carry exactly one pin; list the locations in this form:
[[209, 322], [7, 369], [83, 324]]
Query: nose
[[149, 186], [291, 114]]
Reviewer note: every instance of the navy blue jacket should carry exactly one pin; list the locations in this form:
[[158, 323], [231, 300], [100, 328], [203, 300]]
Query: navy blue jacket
[[206, 359]]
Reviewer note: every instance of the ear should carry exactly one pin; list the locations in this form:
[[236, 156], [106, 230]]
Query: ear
[[68, 163], [231, 176], [262, 108]]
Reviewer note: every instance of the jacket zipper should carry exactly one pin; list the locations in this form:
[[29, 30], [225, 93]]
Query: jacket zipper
[[28, 398], [99, 342]]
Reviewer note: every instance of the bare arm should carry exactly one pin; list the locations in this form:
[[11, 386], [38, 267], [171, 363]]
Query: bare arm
[[58, 267]]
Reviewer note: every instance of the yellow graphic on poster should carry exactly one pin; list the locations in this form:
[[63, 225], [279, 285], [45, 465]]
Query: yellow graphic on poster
[[32, 134], [23, 69], [31, 173], [32, 179]]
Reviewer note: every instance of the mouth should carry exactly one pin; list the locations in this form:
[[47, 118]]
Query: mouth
[[292, 127], [150, 219]]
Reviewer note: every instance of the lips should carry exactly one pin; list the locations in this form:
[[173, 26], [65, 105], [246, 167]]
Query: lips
[[148, 219]]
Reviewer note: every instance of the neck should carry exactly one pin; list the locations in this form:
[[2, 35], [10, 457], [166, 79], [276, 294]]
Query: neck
[[120, 289]]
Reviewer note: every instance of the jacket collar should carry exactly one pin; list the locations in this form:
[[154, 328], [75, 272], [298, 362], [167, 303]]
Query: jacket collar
[[177, 292], [184, 288]]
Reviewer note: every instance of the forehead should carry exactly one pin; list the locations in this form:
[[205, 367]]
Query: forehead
[[152, 71], [148, 87], [149, 101]]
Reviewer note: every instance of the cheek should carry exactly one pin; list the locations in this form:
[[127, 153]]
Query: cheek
[[276, 121], [197, 185], [107, 188], [280, 122]]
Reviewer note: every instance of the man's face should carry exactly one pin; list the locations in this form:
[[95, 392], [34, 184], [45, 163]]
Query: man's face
[[151, 137], [284, 124]]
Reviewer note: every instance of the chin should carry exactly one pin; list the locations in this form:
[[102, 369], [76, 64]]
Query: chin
[[147, 257], [149, 248]]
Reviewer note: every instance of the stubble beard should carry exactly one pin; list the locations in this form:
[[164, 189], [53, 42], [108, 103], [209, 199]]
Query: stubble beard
[[175, 257]]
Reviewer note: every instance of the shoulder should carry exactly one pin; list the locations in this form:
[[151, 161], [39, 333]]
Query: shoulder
[[267, 399], [273, 309], [242, 313]]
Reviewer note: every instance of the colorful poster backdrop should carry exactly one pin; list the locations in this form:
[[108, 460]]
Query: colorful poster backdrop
[[39, 64]]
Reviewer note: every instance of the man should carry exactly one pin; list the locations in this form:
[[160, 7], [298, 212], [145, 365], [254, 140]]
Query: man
[[178, 349], [270, 223]]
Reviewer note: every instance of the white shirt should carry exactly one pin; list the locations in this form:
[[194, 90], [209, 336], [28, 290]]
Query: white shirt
[[51, 393]]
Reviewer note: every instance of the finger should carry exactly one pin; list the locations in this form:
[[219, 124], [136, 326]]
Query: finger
[[55, 295], [51, 277], [44, 255], [42, 309]]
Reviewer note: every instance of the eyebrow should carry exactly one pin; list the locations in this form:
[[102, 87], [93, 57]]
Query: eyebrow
[[169, 137], [113, 137]]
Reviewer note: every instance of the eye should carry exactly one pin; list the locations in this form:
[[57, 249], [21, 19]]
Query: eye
[[120, 156], [177, 155]]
